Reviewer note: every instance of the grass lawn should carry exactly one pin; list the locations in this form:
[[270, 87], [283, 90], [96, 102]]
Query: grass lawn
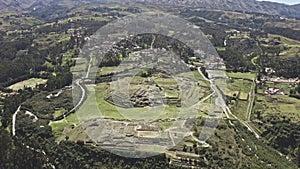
[[165, 81], [240, 109], [111, 69], [107, 70], [220, 48], [81, 65], [108, 110], [243, 96], [59, 127], [28, 83], [170, 112], [239, 75], [59, 112], [239, 85]]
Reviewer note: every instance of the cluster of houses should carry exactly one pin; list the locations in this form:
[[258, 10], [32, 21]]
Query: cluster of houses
[[50, 96], [273, 91], [4, 95], [277, 80]]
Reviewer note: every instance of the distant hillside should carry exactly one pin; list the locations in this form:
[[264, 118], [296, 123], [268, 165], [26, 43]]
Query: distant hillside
[[231, 5], [240, 5]]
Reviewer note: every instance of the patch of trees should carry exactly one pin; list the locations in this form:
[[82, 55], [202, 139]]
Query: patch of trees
[[211, 15], [283, 134], [245, 46], [286, 32], [12, 103], [14, 155], [21, 60], [218, 34], [45, 108], [272, 50], [60, 80], [235, 61], [284, 67], [295, 92], [51, 13]]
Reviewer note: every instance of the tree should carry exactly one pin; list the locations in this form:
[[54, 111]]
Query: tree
[[5, 144], [298, 155]]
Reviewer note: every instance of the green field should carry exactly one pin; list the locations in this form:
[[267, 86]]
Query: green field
[[169, 87], [59, 128], [59, 112], [27, 83], [278, 105], [235, 86], [239, 85], [81, 66], [220, 48], [239, 75], [290, 52], [111, 111], [287, 41], [243, 96]]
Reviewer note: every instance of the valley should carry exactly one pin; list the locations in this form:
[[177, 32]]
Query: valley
[[182, 110]]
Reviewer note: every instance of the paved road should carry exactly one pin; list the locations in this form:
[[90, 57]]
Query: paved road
[[220, 102], [83, 91], [14, 121]]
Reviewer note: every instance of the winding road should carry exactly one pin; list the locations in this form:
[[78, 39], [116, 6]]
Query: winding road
[[153, 40], [220, 102], [14, 121], [83, 92]]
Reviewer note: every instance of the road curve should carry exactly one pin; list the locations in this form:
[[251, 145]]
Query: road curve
[[220, 102], [14, 121]]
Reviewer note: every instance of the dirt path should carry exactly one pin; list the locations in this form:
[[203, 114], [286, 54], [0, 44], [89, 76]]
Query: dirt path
[[153, 40]]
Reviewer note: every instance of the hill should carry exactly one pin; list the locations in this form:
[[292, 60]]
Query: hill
[[250, 6]]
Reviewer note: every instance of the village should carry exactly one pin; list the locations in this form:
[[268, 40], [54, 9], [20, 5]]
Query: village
[[273, 85]]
